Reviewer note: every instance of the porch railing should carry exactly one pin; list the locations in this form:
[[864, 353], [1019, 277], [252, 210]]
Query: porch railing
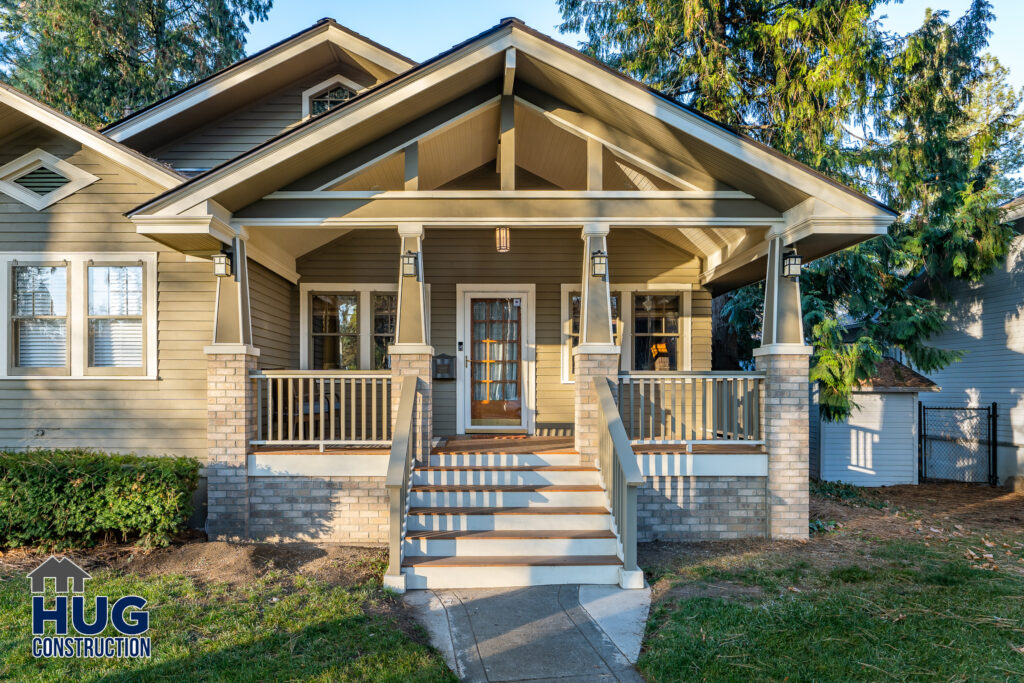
[[619, 471], [322, 407], [691, 407], [399, 471]]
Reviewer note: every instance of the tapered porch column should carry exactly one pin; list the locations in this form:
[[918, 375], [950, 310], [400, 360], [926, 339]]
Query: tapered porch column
[[231, 403], [411, 354], [596, 357], [784, 358]]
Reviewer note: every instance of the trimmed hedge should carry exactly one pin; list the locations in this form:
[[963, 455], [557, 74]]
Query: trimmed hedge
[[65, 498]]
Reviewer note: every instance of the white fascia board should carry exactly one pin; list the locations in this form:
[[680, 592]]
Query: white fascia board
[[147, 168], [508, 194], [350, 43], [461, 221], [689, 123], [313, 134]]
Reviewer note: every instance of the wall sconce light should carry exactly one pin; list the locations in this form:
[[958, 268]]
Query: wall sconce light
[[791, 264], [599, 263], [222, 265], [409, 260], [502, 241]]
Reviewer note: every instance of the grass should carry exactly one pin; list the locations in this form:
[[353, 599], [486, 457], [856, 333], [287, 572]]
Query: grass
[[906, 610], [279, 627]]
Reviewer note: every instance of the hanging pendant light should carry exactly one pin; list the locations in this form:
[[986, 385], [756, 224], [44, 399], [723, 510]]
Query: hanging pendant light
[[502, 240]]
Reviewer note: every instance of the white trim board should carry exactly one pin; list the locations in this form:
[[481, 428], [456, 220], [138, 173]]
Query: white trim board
[[77, 287], [703, 465], [317, 465], [463, 292], [321, 87]]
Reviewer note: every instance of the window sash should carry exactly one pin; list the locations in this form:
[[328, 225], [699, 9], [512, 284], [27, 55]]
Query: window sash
[[380, 339], [337, 331], [115, 318], [661, 327], [39, 331]]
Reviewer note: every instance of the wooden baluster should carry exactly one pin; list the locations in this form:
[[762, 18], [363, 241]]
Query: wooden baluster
[[373, 410]]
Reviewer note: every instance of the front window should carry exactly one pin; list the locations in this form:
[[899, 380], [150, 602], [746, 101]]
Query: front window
[[656, 332], [329, 99], [385, 317], [115, 317], [576, 307], [40, 317], [335, 332]]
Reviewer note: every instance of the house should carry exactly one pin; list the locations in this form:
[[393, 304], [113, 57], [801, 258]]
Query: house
[[460, 307], [986, 321], [877, 445], [63, 571]]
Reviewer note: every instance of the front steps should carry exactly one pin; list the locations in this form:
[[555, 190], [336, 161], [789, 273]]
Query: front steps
[[490, 520]]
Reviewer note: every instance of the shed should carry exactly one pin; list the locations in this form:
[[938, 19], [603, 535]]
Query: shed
[[877, 444]]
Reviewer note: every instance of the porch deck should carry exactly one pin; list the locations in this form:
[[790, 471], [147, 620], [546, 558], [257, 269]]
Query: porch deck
[[513, 444]]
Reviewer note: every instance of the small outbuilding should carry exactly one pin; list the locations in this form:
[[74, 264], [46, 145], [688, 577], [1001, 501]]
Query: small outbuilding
[[877, 444]]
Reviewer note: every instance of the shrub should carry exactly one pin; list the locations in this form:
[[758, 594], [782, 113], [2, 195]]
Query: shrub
[[64, 498]]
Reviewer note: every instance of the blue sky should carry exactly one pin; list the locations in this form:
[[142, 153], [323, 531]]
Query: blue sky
[[422, 29]]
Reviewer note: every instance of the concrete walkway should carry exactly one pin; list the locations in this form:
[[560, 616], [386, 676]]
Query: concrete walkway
[[541, 633]]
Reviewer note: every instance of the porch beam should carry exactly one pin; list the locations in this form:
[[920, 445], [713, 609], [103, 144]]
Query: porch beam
[[507, 143], [510, 72], [411, 158], [595, 164]]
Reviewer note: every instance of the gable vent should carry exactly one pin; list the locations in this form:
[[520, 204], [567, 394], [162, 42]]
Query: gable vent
[[42, 181]]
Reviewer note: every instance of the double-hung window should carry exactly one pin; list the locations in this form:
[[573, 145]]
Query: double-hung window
[[656, 332], [39, 320], [343, 336], [116, 329], [576, 308]]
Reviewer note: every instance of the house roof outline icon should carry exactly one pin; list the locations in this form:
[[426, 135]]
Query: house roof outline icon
[[61, 571]]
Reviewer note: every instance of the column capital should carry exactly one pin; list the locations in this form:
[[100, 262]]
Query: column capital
[[410, 229], [596, 229], [784, 350], [231, 349]]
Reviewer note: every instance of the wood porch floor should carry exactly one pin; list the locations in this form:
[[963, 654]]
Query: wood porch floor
[[510, 445]]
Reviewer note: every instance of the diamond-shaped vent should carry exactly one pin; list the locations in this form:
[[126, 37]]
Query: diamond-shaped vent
[[42, 181]]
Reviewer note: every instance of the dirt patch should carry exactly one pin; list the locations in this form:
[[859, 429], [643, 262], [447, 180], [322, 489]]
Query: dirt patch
[[971, 505], [219, 562], [726, 590]]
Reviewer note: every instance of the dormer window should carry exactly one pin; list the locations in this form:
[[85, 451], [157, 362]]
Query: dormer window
[[39, 179], [327, 95]]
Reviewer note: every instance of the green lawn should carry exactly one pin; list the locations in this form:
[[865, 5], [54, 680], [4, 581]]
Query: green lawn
[[279, 627], [875, 609]]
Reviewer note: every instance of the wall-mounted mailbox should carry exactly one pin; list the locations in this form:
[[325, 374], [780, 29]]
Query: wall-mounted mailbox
[[444, 366]]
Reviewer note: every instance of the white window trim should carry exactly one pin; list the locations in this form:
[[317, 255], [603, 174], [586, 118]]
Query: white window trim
[[309, 93], [38, 158], [77, 263], [627, 291], [365, 290]]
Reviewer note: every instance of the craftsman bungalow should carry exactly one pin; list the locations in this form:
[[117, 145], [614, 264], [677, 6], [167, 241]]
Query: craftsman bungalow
[[461, 307]]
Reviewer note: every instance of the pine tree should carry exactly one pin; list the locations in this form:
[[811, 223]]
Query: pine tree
[[97, 60]]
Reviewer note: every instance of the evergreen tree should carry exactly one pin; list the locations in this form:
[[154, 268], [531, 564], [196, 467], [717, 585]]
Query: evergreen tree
[[900, 117], [97, 60]]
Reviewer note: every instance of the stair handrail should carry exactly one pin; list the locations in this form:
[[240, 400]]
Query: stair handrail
[[620, 471], [399, 471]]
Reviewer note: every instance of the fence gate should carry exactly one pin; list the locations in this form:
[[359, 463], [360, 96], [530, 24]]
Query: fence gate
[[957, 443]]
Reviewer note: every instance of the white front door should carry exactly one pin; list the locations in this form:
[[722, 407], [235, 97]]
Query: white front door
[[495, 358]]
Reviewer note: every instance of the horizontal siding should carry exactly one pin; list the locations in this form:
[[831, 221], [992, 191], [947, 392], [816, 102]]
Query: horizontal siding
[[545, 257], [987, 321], [274, 306], [162, 416], [875, 446]]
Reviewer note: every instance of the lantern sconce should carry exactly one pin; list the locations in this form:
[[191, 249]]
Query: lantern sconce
[[409, 264], [791, 264], [222, 264], [502, 241], [599, 263]]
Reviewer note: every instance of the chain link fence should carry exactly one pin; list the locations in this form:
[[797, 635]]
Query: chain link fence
[[957, 443]]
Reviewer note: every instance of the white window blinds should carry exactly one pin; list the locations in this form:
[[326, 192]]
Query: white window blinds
[[39, 320], [115, 317]]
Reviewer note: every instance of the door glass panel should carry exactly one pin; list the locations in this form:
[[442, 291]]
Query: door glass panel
[[496, 353]]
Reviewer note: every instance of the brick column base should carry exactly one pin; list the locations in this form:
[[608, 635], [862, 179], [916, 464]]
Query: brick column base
[[419, 365], [590, 367], [231, 424], [786, 407]]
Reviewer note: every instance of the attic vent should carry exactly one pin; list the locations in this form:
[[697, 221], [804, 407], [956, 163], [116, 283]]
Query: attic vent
[[329, 99], [42, 181]]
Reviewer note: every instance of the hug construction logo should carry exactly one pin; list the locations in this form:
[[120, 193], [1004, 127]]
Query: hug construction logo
[[84, 640]]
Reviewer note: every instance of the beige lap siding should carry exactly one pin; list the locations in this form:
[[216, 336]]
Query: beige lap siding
[[274, 305], [701, 508], [334, 509], [162, 416], [546, 257]]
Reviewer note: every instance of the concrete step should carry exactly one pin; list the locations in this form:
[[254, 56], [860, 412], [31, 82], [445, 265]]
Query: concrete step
[[491, 543], [500, 571], [503, 459], [522, 475], [558, 495], [536, 518]]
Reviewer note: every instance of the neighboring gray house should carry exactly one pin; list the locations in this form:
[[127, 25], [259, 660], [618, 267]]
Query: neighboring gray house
[[987, 321]]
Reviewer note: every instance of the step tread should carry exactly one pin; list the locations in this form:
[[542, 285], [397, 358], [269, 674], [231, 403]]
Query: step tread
[[539, 510], [508, 468], [511, 534], [511, 488], [511, 561]]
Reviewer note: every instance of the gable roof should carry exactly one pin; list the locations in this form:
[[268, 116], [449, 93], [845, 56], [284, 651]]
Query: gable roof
[[257, 65], [1014, 209], [625, 91], [891, 375], [18, 109]]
